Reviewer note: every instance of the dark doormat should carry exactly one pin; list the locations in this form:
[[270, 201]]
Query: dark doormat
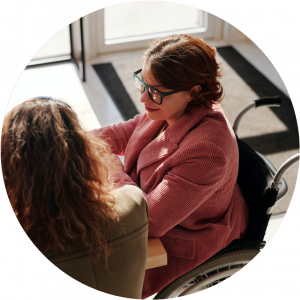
[[263, 87], [116, 90]]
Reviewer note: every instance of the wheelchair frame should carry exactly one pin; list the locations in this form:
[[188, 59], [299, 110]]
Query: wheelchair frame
[[237, 254]]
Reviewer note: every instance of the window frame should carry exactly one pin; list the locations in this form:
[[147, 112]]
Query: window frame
[[96, 23]]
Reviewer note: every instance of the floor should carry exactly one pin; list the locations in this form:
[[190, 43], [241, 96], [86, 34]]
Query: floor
[[94, 105]]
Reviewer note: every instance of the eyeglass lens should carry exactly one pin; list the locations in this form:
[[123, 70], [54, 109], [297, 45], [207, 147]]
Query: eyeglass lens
[[153, 94], [139, 85]]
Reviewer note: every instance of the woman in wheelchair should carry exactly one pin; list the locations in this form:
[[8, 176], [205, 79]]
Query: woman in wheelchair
[[56, 176], [183, 154]]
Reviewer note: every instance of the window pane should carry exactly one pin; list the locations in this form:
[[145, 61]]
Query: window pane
[[142, 18], [59, 45]]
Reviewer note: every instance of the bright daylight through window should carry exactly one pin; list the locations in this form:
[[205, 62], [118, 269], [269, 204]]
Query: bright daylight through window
[[143, 20], [59, 45]]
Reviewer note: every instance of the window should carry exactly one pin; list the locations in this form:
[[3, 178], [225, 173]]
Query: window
[[57, 46], [145, 20], [132, 25]]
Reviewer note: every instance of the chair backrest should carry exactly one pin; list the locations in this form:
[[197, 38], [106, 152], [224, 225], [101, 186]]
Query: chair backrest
[[254, 180], [126, 264]]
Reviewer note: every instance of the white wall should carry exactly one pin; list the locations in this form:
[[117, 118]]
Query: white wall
[[232, 34]]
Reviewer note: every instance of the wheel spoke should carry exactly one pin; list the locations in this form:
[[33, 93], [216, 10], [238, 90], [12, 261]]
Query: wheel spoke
[[210, 273], [208, 282]]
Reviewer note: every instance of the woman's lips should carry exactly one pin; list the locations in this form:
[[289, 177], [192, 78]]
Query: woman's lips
[[150, 109]]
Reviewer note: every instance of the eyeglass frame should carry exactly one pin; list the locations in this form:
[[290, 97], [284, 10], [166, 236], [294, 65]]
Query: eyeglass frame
[[162, 94]]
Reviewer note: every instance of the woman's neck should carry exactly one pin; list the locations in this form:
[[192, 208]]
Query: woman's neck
[[163, 128]]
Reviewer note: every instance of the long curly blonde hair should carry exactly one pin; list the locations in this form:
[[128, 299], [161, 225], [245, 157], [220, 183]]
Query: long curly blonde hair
[[56, 176]]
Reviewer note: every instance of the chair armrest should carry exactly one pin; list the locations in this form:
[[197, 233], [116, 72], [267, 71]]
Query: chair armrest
[[157, 255]]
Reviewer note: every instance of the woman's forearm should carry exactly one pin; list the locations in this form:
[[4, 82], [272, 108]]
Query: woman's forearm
[[118, 135]]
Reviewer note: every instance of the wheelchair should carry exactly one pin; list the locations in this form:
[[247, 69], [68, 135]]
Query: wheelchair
[[262, 186]]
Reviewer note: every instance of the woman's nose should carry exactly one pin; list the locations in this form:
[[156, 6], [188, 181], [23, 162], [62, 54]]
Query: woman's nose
[[145, 97]]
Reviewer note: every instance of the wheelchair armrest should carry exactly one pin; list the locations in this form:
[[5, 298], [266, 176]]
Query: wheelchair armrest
[[283, 186], [265, 101]]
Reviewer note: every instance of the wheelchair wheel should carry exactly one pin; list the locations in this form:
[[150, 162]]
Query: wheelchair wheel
[[210, 273]]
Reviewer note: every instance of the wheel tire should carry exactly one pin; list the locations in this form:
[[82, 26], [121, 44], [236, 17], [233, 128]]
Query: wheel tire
[[211, 272]]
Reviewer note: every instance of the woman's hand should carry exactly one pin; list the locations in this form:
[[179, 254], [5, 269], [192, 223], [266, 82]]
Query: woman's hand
[[115, 165]]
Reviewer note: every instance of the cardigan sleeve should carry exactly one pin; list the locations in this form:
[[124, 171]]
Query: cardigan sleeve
[[198, 173], [118, 135]]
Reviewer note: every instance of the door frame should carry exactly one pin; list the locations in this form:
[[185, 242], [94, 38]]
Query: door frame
[[77, 50]]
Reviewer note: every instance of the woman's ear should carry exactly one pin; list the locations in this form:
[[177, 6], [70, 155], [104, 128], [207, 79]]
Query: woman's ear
[[194, 92]]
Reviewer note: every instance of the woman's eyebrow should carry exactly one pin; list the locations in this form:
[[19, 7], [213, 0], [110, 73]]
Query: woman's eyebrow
[[156, 86]]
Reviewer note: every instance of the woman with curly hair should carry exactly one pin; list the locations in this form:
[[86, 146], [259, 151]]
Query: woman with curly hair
[[57, 179], [183, 154]]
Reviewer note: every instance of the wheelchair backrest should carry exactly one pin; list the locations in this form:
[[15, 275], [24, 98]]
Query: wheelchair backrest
[[254, 180]]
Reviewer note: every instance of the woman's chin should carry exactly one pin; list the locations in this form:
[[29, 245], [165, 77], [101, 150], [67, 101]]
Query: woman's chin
[[153, 116]]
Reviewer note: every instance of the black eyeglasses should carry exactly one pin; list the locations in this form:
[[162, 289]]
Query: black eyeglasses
[[155, 95]]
